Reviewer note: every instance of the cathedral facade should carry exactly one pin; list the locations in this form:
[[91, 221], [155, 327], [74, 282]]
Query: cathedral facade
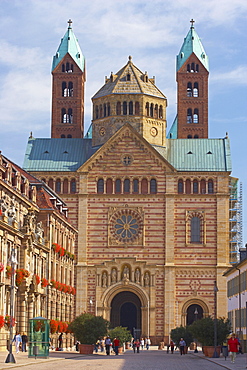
[[151, 207]]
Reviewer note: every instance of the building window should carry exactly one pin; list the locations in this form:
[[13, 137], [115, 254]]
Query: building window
[[195, 187], [50, 183], [62, 136], [189, 89], [195, 90], [118, 186], [161, 112], [70, 89], [195, 225], [124, 108], [196, 116], [126, 186], [108, 109], [180, 186], [58, 186], [64, 89], [73, 186], [100, 111], [100, 186], [151, 110], [104, 110], [136, 186], [153, 186], [131, 108], [128, 77], [210, 186], [109, 186], [147, 109], [189, 115]]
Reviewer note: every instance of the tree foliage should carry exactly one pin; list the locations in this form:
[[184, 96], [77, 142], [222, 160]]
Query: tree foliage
[[89, 328], [123, 334], [203, 330], [182, 332]]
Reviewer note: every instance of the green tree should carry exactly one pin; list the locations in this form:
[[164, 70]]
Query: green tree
[[182, 332], [203, 330], [123, 334], [89, 328]]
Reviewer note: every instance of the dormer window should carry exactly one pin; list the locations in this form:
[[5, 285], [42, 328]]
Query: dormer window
[[128, 77]]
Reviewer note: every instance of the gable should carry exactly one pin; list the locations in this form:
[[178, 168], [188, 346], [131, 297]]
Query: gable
[[126, 152]]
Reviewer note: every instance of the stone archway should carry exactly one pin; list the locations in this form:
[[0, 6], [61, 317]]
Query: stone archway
[[126, 311], [188, 310], [126, 298]]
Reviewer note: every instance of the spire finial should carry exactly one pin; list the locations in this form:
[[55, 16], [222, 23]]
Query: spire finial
[[192, 23], [130, 58], [70, 22]]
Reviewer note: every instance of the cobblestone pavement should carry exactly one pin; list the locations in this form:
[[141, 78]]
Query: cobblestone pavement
[[145, 360]]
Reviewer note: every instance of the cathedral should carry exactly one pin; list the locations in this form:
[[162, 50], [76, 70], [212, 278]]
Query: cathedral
[[151, 207]]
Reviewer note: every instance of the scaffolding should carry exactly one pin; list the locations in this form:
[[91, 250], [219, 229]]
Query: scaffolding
[[235, 219]]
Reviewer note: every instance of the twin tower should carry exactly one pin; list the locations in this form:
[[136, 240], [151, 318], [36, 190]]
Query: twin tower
[[130, 96]]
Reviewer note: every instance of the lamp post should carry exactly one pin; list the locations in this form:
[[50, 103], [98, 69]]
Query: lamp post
[[196, 314], [13, 262], [215, 355]]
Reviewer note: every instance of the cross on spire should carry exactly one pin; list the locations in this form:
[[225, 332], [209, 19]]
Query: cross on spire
[[192, 23], [70, 22]]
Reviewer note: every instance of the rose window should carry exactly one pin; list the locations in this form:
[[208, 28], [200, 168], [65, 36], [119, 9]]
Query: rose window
[[126, 225]]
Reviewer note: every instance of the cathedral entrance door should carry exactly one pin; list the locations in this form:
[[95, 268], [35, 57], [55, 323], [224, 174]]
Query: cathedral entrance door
[[126, 311]]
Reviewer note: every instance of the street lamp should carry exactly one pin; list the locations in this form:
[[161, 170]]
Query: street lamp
[[13, 263], [196, 314], [215, 355]]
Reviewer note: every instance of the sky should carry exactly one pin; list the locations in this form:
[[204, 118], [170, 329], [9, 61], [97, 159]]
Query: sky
[[108, 31]]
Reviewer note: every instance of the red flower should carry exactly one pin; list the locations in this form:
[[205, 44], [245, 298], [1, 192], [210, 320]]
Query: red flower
[[37, 279], [44, 282], [21, 275], [2, 321], [1, 266], [56, 247], [53, 326], [61, 251], [73, 291]]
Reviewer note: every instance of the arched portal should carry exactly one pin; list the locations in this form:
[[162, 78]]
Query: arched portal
[[126, 311], [194, 312]]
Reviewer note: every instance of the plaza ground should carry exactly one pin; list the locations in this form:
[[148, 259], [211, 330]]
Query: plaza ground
[[149, 360]]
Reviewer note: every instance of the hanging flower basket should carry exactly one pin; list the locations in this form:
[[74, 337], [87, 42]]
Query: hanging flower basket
[[2, 321], [1, 266], [39, 325], [56, 247], [37, 279], [61, 251], [44, 282], [21, 275]]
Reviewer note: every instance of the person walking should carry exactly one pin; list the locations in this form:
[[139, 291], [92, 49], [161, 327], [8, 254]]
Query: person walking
[[148, 343], [133, 345], [137, 344], [18, 341], [24, 339], [172, 344], [182, 346], [60, 341], [108, 345], [142, 343], [116, 343], [233, 347]]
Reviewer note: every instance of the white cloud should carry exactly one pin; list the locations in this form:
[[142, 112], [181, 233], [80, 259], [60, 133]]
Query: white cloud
[[237, 76]]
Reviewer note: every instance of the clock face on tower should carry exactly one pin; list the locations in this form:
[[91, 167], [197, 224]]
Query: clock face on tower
[[153, 131]]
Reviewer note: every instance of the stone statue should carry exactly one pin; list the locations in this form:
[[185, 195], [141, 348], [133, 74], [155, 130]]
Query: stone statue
[[114, 276], [12, 210], [39, 229], [104, 280], [146, 279], [4, 205], [126, 273], [137, 276]]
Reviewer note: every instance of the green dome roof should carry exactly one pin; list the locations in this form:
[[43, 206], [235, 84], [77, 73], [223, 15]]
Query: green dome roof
[[69, 44], [192, 44]]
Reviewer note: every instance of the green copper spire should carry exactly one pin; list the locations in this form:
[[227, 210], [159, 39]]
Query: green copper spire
[[192, 44], [69, 44]]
